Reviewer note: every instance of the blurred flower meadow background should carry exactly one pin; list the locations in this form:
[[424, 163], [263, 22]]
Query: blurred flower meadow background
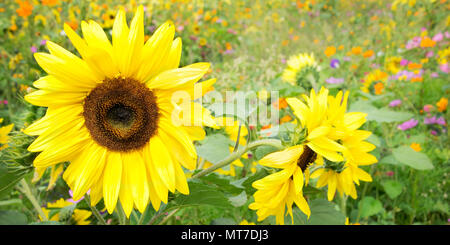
[[393, 57]]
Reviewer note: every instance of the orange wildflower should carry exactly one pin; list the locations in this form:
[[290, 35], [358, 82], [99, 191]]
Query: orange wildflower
[[330, 51], [413, 66], [228, 46], [378, 88], [282, 103], [25, 9], [73, 25], [442, 104], [286, 118], [356, 50], [49, 2], [427, 42], [368, 53], [416, 79], [415, 147]]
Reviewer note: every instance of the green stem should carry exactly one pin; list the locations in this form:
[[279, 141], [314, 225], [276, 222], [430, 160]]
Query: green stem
[[413, 196], [26, 190], [141, 219], [95, 211], [121, 214], [157, 215], [343, 204], [237, 154], [168, 216]]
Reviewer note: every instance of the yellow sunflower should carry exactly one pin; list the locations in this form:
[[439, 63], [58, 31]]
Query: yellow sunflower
[[320, 134], [295, 65], [110, 113], [342, 175], [79, 216], [280, 190], [4, 138]]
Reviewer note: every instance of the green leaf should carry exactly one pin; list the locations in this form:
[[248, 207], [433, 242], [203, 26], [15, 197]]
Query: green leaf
[[223, 183], [247, 183], [238, 200], [10, 217], [323, 212], [389, 159], [65, 213], [410, 157], [386, 115], [368, 206], [310, 190], [379, 115], [263, 150], [419, 139], [8, 178], [374, 140], [214, 148], [392, 188], [202, 194]]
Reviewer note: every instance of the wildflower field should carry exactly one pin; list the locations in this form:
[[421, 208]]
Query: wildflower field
[[187, 112]]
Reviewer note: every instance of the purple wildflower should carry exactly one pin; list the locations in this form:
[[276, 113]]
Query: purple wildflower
[[334, 63], [434, 120], [408, 124], [395, 103], [333, 80], [438, 37], [33, 49], [404, 62], [433, 132], [43, 42], [445, 68]]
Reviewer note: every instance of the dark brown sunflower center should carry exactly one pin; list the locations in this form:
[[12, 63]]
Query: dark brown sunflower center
[[308, 157], [121, 114]]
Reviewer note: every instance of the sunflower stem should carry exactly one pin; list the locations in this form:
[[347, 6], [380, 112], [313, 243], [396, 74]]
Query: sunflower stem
[[237, 154], [95, 210], [121, 214], [168, 216], [26, 190], [343, 204]]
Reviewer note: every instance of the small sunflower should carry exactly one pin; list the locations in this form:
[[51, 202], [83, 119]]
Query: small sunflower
[[280, 190], [297, 66], [110, 113], [4, 138], [342, 175], [320, 134], [328, 137], [79, 216]]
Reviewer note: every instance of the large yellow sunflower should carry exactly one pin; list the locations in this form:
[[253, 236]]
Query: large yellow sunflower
[[110, 113]]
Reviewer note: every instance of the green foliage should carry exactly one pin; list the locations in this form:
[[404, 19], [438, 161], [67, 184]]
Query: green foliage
[[369, 206], [409, 157]]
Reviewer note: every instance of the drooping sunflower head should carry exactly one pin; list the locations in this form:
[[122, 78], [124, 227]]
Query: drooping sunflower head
[[298, 66], [280, 190], [111, 114]]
